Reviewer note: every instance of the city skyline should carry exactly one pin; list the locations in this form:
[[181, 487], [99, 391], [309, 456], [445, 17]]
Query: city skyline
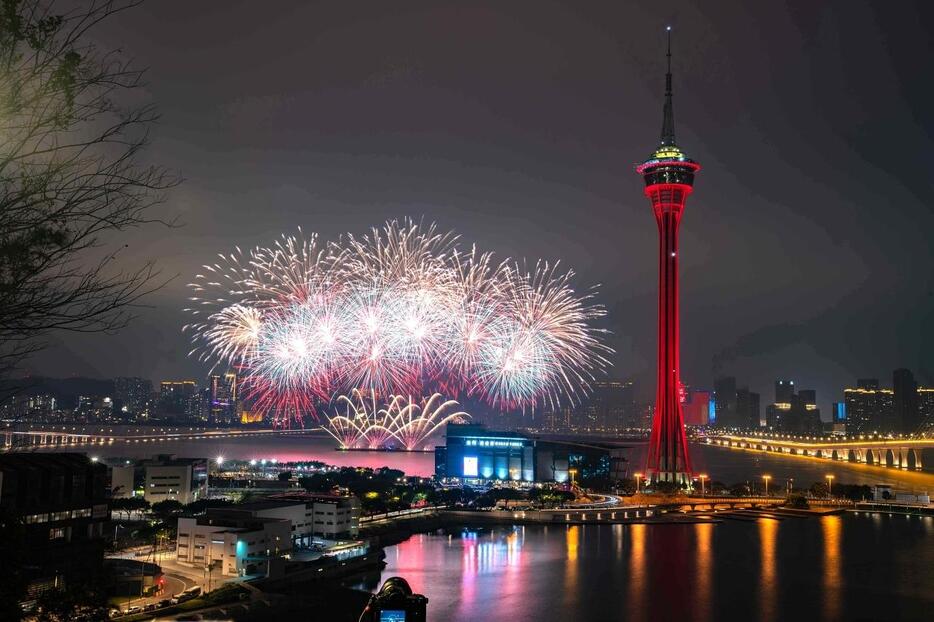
[[356, 311], [814, 240]]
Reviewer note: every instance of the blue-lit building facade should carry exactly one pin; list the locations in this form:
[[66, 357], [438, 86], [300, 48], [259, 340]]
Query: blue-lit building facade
[[473, 453]]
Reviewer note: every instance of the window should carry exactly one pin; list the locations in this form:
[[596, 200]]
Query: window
[[85, 513], [36, 518], [56, 533], [183, 535], [60, 516]]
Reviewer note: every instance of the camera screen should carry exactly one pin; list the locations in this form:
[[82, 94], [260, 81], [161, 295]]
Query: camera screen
[[392, 615]]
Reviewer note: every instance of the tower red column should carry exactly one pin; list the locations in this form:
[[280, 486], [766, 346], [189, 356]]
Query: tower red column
[[669, 179]]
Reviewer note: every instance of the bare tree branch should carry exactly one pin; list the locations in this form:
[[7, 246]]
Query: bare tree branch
[[70, 177]]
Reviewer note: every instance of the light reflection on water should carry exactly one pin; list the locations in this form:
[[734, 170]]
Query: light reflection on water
[[704, 575], [829, 568], [768, 536], [832, 528]]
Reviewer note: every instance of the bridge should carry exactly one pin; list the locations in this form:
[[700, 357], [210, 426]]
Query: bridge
[[898, 453], [64, 436]]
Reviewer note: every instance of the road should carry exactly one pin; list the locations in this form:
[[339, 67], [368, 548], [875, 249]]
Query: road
[[178, 578], [174, 584]]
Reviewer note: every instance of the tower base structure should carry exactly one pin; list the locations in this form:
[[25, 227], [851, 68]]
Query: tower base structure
[[681, 478]]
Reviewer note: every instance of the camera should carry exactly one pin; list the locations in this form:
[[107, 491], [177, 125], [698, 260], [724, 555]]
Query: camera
[[395, 602]]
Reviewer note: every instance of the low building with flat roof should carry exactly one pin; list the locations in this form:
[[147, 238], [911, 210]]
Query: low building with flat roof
[[233, 545], [310, 515], [162, 477], [473, 453]]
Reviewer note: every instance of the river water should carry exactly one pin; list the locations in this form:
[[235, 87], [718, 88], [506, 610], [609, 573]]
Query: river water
[[843, 567]]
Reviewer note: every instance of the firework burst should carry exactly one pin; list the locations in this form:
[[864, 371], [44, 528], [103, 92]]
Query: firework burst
[[402, 422], [399, 311]]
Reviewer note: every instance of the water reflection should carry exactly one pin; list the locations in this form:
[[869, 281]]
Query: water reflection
[[494, 554], [831, 529], [637, 573], [704, 574], [798, 569], [572, 542], [768, 535]]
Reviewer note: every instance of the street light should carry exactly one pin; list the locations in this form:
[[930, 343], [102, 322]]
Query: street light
[[766, 478], [220, 460], [638, 477], [703, 488], [829, 485]]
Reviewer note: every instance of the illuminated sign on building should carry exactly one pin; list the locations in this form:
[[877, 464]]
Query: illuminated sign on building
[[473, 442], [470, 466]]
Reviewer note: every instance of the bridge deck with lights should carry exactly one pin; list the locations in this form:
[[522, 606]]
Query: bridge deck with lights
[[895, 452], [64, 436]]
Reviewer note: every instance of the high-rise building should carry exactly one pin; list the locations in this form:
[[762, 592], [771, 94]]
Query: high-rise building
[[134, 395], [223, 401], [784, 390], [793, 413], [613, 404], [747, 409], [724, 390], [696, 407], [838, 412], [868, 408], [926, 410], [178, 400], [669, 179], [95, 409], [838, 418], [905, 405]]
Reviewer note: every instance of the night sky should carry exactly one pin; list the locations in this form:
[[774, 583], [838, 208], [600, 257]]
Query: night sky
[[806, 248]]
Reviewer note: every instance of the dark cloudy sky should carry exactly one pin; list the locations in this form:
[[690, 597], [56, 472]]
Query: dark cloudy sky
[[807, 247]]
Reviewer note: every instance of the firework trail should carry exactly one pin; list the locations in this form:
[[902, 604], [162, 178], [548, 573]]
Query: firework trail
[[399, 311]]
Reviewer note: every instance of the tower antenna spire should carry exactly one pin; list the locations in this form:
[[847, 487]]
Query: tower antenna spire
[[668, 120]]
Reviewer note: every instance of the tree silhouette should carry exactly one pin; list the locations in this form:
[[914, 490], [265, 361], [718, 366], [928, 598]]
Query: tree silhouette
[[71, 179]]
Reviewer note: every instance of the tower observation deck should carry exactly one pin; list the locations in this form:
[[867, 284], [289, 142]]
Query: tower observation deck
[[669, 179]]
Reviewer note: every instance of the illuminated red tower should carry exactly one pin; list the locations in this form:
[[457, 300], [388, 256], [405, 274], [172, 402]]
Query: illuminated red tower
[[669, 179]]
